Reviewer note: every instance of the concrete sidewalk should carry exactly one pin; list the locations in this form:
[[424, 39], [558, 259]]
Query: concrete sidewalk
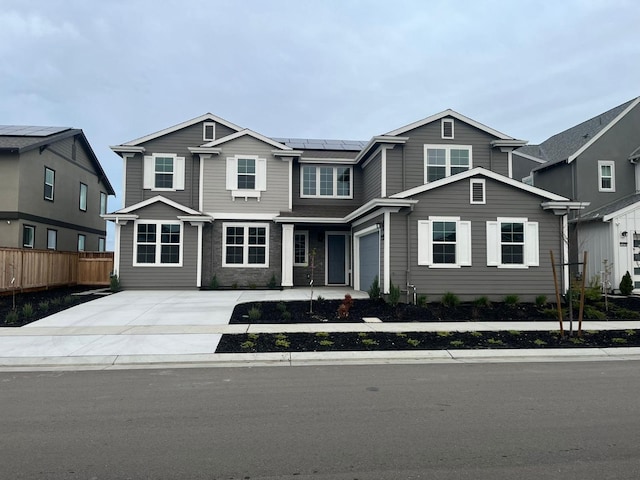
[[135, 329]]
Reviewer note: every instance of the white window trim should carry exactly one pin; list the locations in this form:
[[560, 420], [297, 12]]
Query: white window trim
[[442, 123], [83, 197], [335, 181], [448, 149], [52, 184], [55, 239], [476, 181], [33, 236], [232, 177], [84, 242], [158, 243], [102, 244], [463, 242], [245, 250], [204, 131], [604, 163], [103, 203], [149, 175], [305, 233], [531, 250]]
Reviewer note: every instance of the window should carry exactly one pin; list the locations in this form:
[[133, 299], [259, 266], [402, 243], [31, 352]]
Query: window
[[444, 242], [28, 236], [300, 249], [158, 243], [246, 176], [445, 160], [245, 245], [103, 203], [326, 181], [52, 239], [163, 171], [512, 243], [209, 131], [606, 176], [49, 183], [447, 127], [246, 173], [477, 192], [101, 244], [83, 197], [82, 240]]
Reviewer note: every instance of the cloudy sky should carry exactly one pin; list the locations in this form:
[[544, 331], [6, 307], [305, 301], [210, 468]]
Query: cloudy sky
[[121, 69]]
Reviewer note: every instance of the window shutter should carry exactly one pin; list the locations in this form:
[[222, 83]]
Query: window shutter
[[148, 172], [531, 248], [261, 174], [493, 244], [232, 174], [425, 249], [464, 243], [178, 173]]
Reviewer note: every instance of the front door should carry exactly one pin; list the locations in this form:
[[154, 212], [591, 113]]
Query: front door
[[336, 256]]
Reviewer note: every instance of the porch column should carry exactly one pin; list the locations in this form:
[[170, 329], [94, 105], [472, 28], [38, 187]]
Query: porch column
[[287, 255]]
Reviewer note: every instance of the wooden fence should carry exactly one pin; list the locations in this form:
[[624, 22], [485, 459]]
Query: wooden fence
[[33, 269]]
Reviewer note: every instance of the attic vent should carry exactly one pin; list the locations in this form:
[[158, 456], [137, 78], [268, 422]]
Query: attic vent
[[478, 192], [447, 128]]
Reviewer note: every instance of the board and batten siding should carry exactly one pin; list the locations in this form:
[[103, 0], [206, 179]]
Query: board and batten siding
[[357, 189], [479, 279], [216, 197]]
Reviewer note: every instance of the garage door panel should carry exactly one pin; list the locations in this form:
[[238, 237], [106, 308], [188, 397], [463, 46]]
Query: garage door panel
[[369, 261]]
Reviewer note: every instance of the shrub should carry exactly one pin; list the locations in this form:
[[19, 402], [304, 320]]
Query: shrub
[[593, 313], [273, 282], [401, 334], [369, 342], [44, 306], [252, 336], [255, 312], [515, 333], [345, 306], [114, 284], [281, 307], [283, 343], [325, 343], [362, 334], [511, 300], [286, 316], [456, 343], [443, 334], [68, 300], [482, 301], [322, 334], [540, 343], [394, 295], [320, 299], [626, 284], [27, 310], [247, 345], [56, 302], [11, 318], [475, 334], [374, 289], [252, 286], [619, 340], [494, 341], [625, 313], [213, 284], [234, 285], [422, 301], [413, 342], [630, 332], [541, 301], [450, 300]]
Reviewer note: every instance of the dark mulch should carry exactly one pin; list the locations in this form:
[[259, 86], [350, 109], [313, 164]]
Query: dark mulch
[[43, 303]]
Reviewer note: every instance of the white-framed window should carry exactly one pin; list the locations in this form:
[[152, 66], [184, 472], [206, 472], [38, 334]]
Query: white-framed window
[[444, 242], [164, 172], [477, 193], [301, 248], [28, 236], [442, 161], [245, 245], [82, 203], [49, 183], [246, 175], [103, 203], [606, 176], [208, 131], [446, 126], [324, 181], [512, 243], [101, 244], [157, 243], [82, 240], [52, 239]]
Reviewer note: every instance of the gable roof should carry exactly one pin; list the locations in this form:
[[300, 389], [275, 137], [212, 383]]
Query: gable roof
[[156, 199], [243, 133], [22, 138], [613, 209], [568, 144], [322, 144], [475, 172], [202, 118]]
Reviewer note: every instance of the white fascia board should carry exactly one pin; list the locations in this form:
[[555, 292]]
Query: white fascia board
[[205, 150], [337, 161], [622, 211], [486, 173], [376, 203], [529, 157], [286, 153], [119, 219], [251, 133], [575, 155], [378, 140], [188, 123], [242, 216], [509, 143], [195, 218], [124, 149], [332, 220], [560, 208], [159, 198], [454, 114]]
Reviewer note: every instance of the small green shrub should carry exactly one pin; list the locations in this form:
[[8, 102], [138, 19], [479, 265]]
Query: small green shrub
[[456, 343], [234, 285], [27, 310], [280, 336], [68, 300], [362, 334], [272, 284], [593, 313], [475, 334], [413, 342], [515, 333], [369, 342], [255, 313], [576, 340], [325, 343], [421, 301], [253, 336], [114, 284], [482, 301], [495, 341], [374, 289], [618, 340], [626, 313], [450, 300], [443, 334], [511, 300], [286, 316], [44, 306], [283, 343], [541, 301], [247, 345], [252, 286], [394, 295], [630, 332], [213, 284], [320, 299], [401, 335], [281, 307], [626, 284], [539, 342], [11, 318], [56, 302], [322, 334]]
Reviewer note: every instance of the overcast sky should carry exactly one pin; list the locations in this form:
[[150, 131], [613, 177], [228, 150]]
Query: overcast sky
[[121, 69]]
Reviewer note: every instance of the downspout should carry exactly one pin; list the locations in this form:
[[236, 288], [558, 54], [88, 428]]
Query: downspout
[[408, 231]]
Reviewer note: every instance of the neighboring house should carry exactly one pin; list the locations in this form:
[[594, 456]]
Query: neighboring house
[[597, 162], [52, 190], [430, 206]]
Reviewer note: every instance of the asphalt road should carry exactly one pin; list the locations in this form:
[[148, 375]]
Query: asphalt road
[[475, 421]]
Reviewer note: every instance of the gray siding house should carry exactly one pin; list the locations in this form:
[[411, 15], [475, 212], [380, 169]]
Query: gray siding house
[[597, 162], [430, 207], [52, 190]]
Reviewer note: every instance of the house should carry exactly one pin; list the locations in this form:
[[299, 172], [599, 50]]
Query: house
[[429, 207], [52, 190], [596, 161]]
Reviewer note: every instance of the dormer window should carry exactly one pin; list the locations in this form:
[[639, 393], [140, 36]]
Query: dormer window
[[209, 131], [447, 128]]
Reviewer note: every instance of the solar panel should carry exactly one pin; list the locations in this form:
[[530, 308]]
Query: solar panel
[[29, 130], [321, 144]]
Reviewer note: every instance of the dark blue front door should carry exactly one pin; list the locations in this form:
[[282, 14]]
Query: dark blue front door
[[336, 259]]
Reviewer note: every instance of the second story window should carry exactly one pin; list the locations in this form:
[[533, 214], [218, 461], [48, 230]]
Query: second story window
[[326, 181], [246, 176], [83, 197], [49, 183], [163, 171], [441, 161], [606, 176], [246, 173], [103, 203]]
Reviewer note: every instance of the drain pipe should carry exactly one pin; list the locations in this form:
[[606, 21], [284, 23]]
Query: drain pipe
[[410, 286]]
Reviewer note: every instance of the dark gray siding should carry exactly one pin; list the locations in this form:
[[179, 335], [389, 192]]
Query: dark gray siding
[[372, 174], [522, 167], [395, 170], [398, 251], [478, 279], [356, 201], [223, 131], [557, 179], [329, 154]]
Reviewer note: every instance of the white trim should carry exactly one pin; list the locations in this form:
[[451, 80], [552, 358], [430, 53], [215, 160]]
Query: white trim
[[530, 245], [607, 163], [157, 198], [346, 236], [149, 173], [595, 138], [199, 256], [204, 131], [442, 123], [383, 172], [304, 233], [158, 243], [33, 235], [180, 126], [565, 253], [245, 245], [373, 155], [116, 250], [386, 254], [356, 252], [288, 254], [463, 243], [379, 139], [478, 171], [622, 211], [343, 161], [373, 215], [250, 133], [510, 163], [241, 216], [119, 149], [529, 157], [393, 205], [335, 182], [478, 181], [448, 165]]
